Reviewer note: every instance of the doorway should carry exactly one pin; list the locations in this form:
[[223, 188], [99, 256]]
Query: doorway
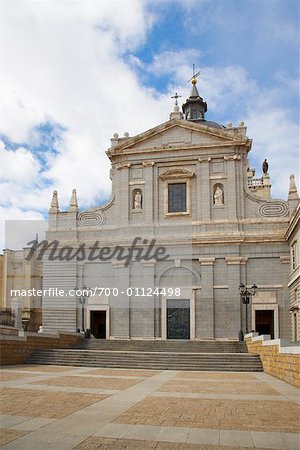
[[178, 319], [98, 324], [264, 322]]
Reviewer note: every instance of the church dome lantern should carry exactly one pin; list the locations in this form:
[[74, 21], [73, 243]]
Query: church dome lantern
[[195, 107]]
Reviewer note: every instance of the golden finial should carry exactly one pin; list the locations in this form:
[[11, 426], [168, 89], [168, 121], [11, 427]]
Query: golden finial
[[193, 80]]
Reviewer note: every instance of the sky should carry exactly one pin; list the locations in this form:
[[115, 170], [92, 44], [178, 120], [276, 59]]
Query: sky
[[75, 72]]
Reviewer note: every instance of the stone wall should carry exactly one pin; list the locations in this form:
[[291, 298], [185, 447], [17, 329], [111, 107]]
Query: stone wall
[[16, 349], [277, 360], [8, 330]]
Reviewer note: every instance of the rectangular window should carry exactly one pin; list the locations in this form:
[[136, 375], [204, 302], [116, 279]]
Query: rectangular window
[[176, 197], [294, 256]]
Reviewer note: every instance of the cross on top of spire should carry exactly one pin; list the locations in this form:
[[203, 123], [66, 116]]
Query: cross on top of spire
[[176, 96]]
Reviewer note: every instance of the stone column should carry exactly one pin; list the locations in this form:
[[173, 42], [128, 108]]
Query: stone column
[[234, 307], [205, 320]]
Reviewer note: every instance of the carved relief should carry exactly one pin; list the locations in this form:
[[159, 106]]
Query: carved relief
[[90, 218], [273, 209], [177, 173]]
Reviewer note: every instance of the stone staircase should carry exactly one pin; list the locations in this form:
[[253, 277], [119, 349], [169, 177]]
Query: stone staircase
[[157, 355], [177, 346]]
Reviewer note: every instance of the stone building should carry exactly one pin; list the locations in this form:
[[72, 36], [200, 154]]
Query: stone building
[[188, 185], [20, 276], [1, 282], [293, 237]]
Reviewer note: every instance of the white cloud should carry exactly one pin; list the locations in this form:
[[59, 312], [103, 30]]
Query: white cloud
[[171, 62], [18, 166], [63, 63]]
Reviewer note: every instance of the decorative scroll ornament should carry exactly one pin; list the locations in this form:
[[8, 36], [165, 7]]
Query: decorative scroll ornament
[[177, 173], [90, 219], [273, 209]]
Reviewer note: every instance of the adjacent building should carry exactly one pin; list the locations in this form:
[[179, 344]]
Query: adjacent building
[[293, 237], [20, 277], [1, 282]]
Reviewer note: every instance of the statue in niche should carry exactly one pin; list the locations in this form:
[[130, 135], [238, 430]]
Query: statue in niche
[[137, 201], [218, 196]]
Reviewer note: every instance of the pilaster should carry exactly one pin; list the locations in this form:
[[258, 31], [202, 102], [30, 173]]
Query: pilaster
[[120, 305], [149, 191], [231, 188], [204, 186], [205, 308], [124, 193]]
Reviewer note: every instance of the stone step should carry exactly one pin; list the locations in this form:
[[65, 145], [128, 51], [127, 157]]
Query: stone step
[[170, 346], [149, 360], [200, 365]]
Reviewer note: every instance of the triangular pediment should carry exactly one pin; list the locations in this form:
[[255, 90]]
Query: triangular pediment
[[179, 133]]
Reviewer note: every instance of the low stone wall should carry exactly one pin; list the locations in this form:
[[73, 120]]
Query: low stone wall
[[280, 361], [8, 330], [16, 349]]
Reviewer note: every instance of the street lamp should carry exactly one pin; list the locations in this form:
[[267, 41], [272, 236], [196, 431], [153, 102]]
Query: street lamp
[[245, 296], [84, 291]]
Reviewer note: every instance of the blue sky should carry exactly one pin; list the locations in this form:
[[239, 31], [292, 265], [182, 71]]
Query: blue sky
[[73, 73]]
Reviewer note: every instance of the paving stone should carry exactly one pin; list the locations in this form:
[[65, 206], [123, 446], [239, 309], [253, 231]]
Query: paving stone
[[9, 376], [113, 430], [41, 439], [8, 420], [128, 372], [235, 438], [285, 441], [8, 435], [218, 388], [173, 434], [93, 382], [44, 404], [33, 424], [204, 437], [217, 375], [216, 414]]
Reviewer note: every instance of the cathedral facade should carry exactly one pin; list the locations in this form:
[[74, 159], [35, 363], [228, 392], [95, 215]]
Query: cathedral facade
[[184, 192]]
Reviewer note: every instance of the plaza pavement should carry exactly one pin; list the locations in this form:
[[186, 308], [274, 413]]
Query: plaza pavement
[[51, 407]]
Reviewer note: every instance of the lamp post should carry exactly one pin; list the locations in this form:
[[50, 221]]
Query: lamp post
[[245, 296], [84, 294]]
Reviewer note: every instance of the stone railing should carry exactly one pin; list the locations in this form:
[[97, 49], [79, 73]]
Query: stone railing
[[255, 182], [7, 318], [280, 359]]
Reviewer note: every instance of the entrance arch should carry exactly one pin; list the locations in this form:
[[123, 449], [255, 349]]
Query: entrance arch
[[178, 311]]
